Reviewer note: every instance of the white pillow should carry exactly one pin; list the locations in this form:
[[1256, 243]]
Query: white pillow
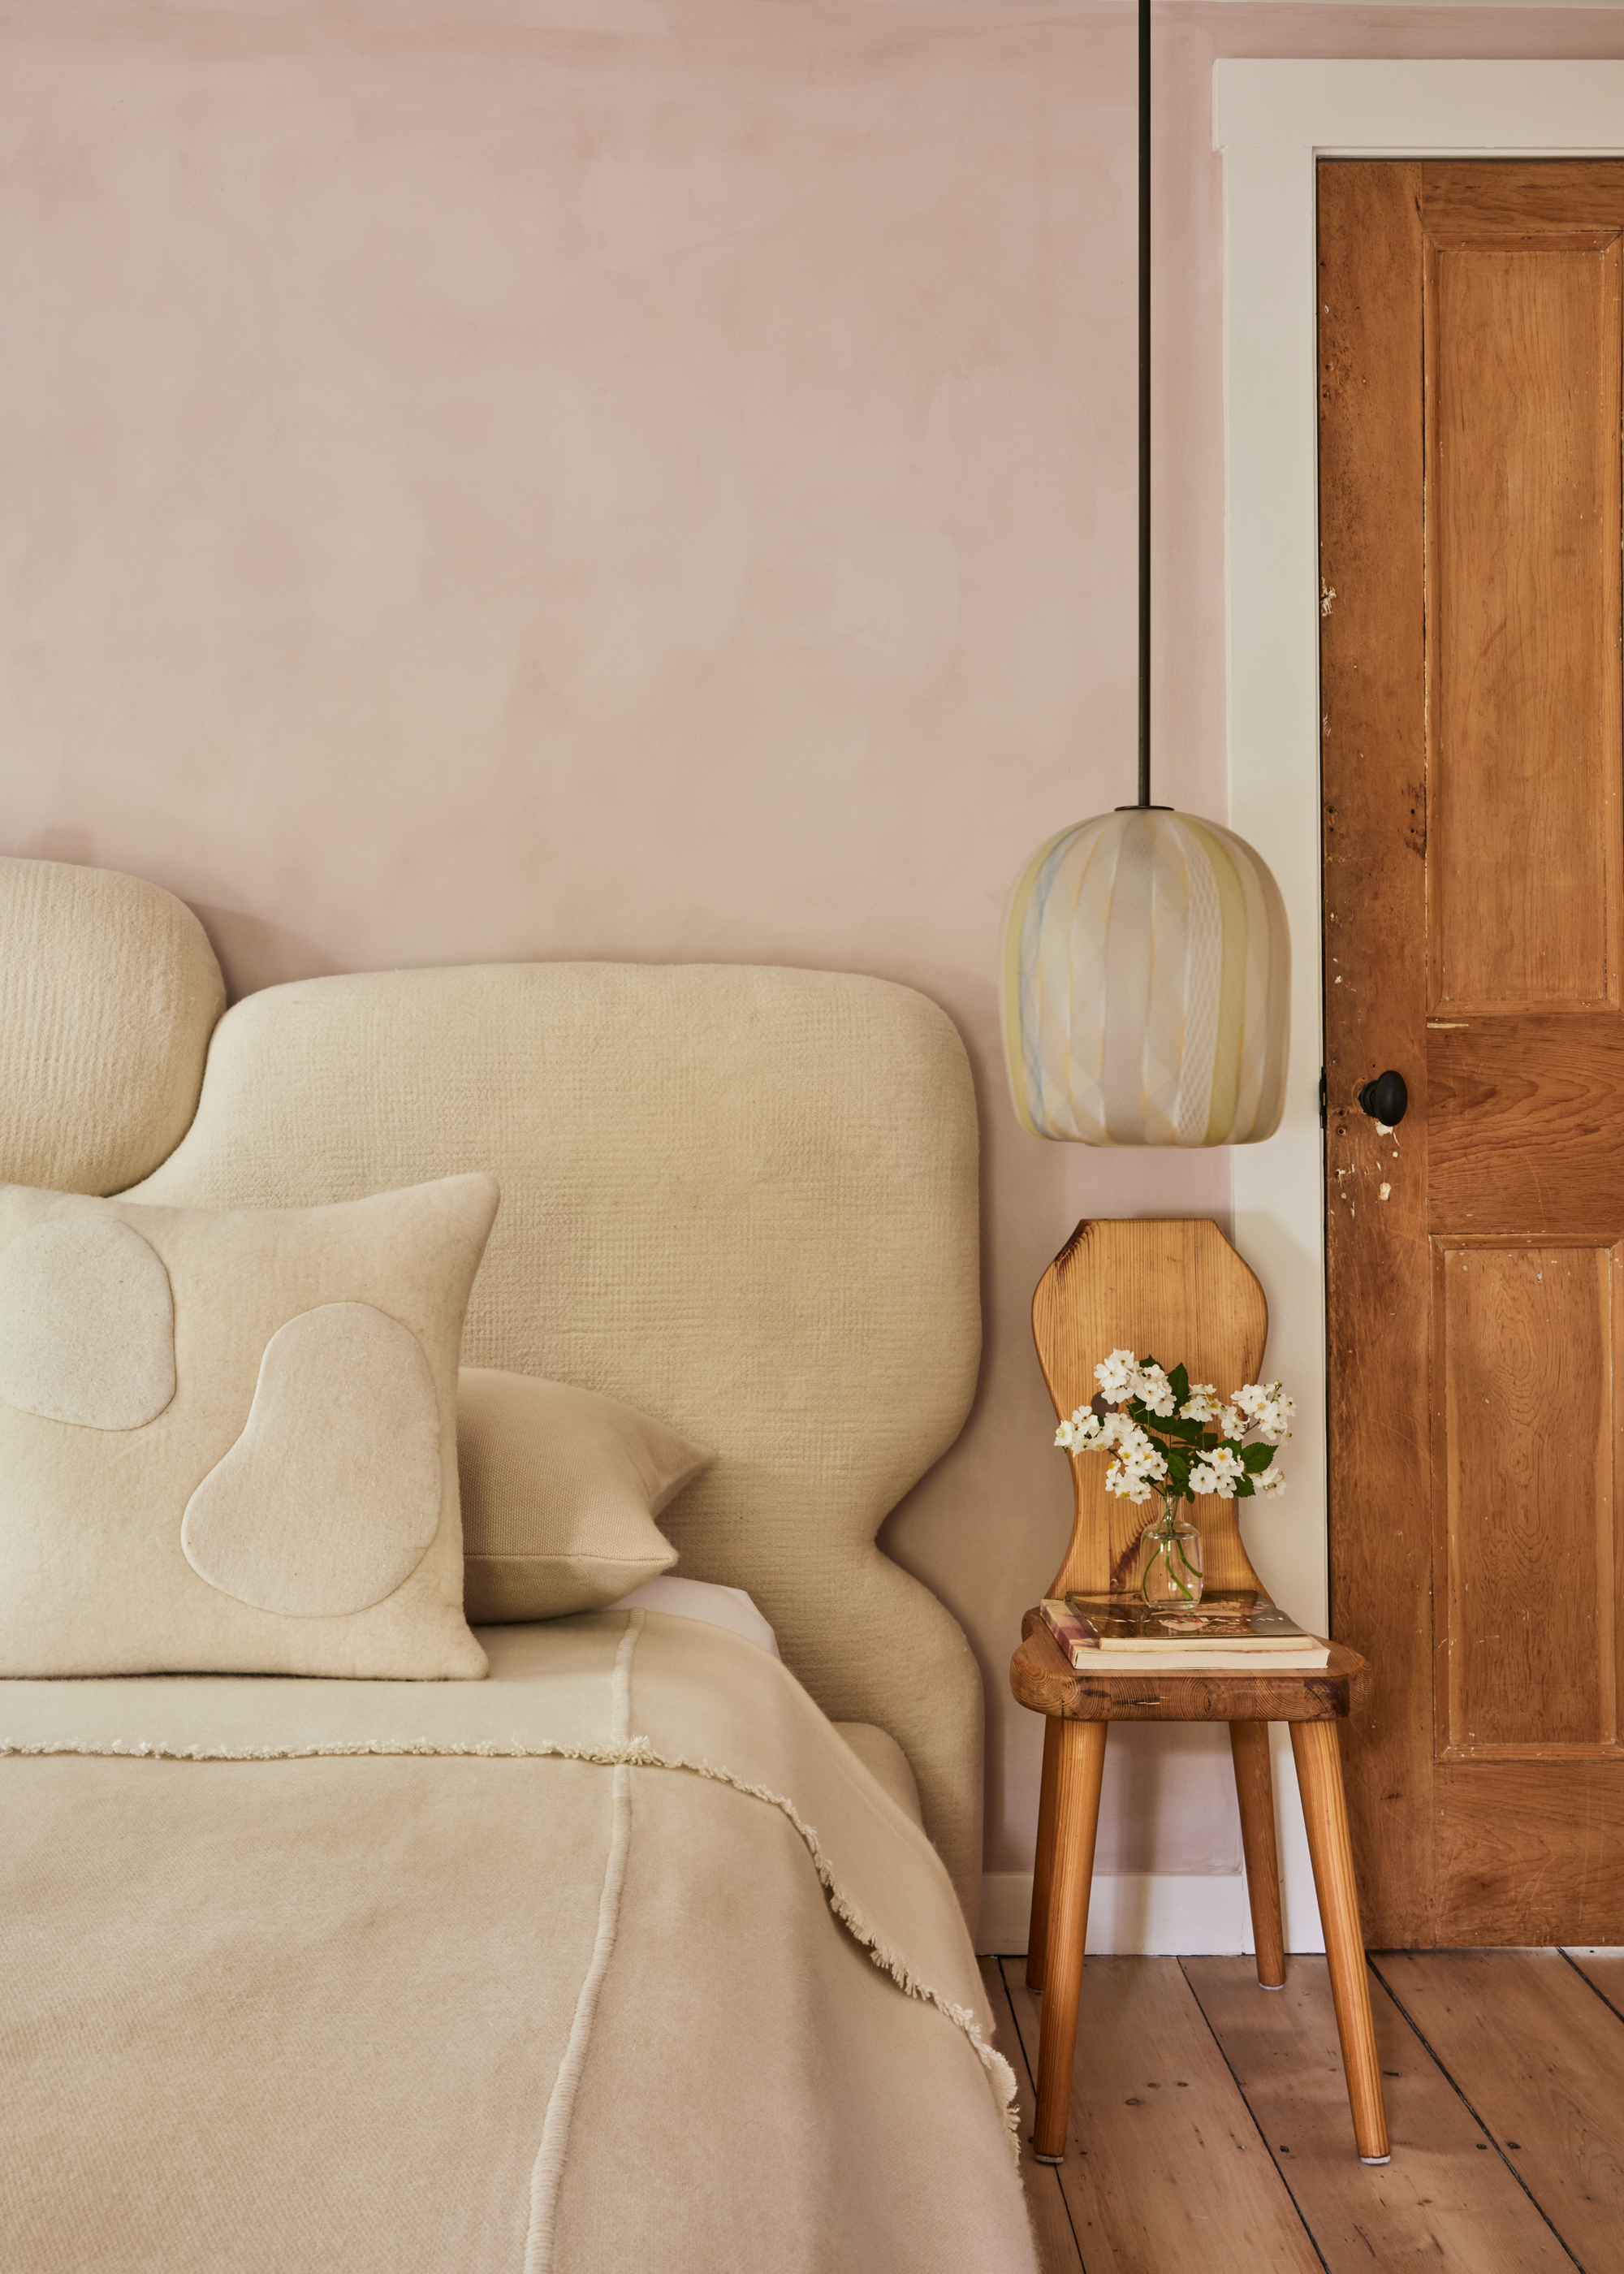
[[712, 1606]]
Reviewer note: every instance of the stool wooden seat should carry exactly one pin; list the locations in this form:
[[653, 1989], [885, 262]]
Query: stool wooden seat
[[1178, 1291]]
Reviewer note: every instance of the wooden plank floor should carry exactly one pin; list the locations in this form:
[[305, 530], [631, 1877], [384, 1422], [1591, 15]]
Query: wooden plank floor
[[1209, 2128]]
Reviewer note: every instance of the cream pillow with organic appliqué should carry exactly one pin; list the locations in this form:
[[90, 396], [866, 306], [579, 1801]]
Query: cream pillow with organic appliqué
[[228, 1437]]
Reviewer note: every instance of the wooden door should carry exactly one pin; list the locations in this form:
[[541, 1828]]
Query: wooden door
[[1469, 347]]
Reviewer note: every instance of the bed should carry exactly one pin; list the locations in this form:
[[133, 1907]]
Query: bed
[[652, 1946]]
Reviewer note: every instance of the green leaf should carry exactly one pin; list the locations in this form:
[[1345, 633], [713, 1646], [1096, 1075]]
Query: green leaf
[[1245, 1489], [1256, 1458], [1178, 1382]]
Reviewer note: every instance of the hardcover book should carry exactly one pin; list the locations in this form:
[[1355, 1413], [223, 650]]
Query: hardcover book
[[1233, 1621], [1075, 1635], [1224, 1632]]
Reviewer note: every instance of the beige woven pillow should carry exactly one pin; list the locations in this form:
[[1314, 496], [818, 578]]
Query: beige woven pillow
[[561, 1487], [228, 1437]]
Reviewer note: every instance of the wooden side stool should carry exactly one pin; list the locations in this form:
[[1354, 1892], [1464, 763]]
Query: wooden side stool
[[1175, 1290]]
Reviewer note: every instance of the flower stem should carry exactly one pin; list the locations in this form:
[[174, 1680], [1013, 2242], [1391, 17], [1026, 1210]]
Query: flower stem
[[1173, 1555]]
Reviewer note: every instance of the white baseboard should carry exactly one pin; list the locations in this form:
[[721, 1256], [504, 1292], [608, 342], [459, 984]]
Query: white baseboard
[[1134, 1911], [1161, 1913]]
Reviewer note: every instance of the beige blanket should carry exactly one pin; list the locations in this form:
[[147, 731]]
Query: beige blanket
[[619, 1960]]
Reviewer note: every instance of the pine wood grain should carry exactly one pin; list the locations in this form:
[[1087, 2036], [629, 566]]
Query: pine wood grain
[[1514, 1122], [1472, 366], [1530, 1850], [1043, 1863], [1051, 2223], [1043, 1679], [1255, 1789], [1525, 1432], [1325, 1819], [1446, 2200], [1079, 1763], [1169, 1290], [1521, 349], [1372, 670], [1540, 2057], [1522, 196], [1604, 1970], [1165, 2168]]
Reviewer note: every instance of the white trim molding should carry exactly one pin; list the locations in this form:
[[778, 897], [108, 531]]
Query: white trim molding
[[1148, 1914], [1189, 1914], [1139, 1912], [1271, 121]]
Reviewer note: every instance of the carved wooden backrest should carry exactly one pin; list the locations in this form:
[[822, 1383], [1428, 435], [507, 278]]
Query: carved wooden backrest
[[1168, 1290]]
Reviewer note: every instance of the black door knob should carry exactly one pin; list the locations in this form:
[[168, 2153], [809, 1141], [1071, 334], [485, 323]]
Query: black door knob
[[1386, 1098]]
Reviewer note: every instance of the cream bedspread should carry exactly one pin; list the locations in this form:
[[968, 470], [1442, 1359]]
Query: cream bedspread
[[618, 1959]]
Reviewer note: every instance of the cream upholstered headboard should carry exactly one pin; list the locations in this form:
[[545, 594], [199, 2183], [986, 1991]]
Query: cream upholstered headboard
[[743, 1199]]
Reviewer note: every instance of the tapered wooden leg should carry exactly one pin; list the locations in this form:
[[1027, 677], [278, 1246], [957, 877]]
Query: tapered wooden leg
[[1325, 1813], [1079, 1762], [1254, 1788], [1043, 1871]]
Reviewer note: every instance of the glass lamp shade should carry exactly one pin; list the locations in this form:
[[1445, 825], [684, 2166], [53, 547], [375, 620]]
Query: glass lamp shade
[[1145, 985]]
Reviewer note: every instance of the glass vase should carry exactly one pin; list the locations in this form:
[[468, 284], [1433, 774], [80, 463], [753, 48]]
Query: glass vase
[[1170, 1563]]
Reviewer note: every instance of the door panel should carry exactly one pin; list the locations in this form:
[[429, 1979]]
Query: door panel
[[1472, 741], [1522, 1499], [1522, 388], [1514, 1122], [1527, 1853]]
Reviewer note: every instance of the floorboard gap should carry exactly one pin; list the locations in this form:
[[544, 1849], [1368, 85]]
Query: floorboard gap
[[1590, 1983], [1445, 2071], [1253, 2113]]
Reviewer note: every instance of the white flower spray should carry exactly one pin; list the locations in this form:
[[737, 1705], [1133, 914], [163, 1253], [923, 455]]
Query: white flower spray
[[1171, 1439]]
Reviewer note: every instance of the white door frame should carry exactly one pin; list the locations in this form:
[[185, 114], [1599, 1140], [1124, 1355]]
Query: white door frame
[[1271, 121]]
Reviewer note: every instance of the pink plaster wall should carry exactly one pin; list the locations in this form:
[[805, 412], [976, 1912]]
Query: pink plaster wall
[[493, 479]]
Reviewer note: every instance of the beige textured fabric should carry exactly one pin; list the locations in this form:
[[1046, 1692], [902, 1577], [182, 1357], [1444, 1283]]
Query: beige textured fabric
[[742, 1201], [885, 1759], [94, 1577], [561, 1487], [109, 993], [87, 1324], [328, 1499], [370, 2013]]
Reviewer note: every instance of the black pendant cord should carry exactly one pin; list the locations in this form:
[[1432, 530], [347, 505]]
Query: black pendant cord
[[1144, 402]]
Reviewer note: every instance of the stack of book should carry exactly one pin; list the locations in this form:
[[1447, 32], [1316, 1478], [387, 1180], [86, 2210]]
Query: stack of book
[[1222, 1634]]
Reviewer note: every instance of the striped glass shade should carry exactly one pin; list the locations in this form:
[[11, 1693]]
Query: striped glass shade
[[1145, 984]]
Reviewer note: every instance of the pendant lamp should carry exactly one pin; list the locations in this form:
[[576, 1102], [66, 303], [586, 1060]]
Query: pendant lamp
[[1145, 968]]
